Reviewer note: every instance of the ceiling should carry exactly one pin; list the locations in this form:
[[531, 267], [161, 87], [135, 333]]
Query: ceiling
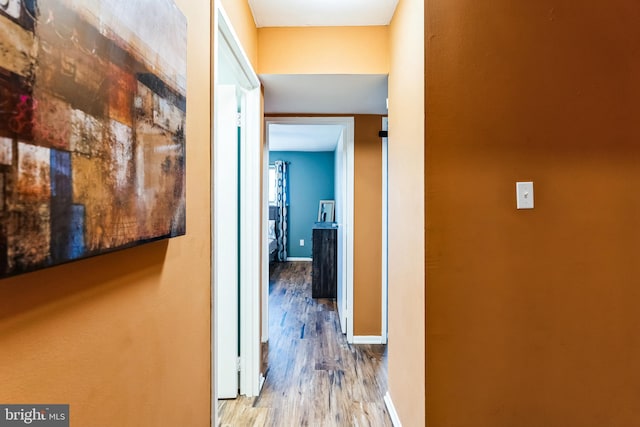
[[290, 137], [302, 13], [325, 93]]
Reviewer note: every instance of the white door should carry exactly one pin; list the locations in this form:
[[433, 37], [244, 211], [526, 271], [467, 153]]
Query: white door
[[226, 238]]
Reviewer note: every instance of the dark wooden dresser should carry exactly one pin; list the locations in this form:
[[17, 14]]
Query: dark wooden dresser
[[325, 261]]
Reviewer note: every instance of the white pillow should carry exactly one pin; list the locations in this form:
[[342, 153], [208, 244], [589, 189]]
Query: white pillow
[[272, 229]]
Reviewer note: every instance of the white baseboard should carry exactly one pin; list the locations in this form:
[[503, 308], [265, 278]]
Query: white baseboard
[[291, 258], [393, 414], [364, 339]]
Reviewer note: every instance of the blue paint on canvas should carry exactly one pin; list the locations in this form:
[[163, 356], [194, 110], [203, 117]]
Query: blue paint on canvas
[[61, 209], [76, 242], [61, 175]]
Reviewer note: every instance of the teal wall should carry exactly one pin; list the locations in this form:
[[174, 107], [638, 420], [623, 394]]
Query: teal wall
[[311, 179]]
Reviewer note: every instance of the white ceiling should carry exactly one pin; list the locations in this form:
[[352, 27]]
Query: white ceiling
[[325, 93], [302, 13], [290, 137], [319, 94]]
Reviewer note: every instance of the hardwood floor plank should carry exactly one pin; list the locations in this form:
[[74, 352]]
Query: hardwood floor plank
[[313, 376]]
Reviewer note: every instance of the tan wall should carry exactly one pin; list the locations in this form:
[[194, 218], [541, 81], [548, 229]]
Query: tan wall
[[124, 338], [406, 214], [367, 244], [533, 316], [323, 50], [244, 26]]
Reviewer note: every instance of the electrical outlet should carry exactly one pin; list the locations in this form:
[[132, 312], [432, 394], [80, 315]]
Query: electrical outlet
[[301, 242]]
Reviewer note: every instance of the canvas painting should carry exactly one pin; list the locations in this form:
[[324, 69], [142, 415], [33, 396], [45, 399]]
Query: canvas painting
[[92, 128]]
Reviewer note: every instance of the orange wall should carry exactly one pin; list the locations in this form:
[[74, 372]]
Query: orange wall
[[244, 26], [533, 315], [406, 214], [124, 338], [367, 244], [323, 50]]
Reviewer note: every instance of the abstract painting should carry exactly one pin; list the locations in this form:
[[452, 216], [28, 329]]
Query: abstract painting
[[92, 128]]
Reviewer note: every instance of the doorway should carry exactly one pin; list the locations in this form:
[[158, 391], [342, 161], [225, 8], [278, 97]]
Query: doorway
[[235, 219], [344, 209]]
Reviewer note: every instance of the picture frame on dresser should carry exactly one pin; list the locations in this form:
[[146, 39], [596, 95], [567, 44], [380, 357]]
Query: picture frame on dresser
[[326, 211]]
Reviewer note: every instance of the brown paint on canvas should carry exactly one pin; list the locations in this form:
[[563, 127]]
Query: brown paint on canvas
[[6, 152], [16, 47], [26, 221], [33, 174], [159, 161], [51, 120], [16, 106], [87, 134], [143, 104], [122, 87], [159, 183], [70, 65], [91, 190], [28, 235]]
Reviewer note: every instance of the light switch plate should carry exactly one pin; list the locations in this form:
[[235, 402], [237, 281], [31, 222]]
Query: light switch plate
[[524, 195], [301, 242]]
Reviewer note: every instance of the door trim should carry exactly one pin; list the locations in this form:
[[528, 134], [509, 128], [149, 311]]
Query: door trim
[[250, 241], [348, 125], [250, 220], [393, 413], [385, 233], [368, 339]]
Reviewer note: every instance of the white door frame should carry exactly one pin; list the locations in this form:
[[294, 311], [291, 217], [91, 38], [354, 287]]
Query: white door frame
[[250, 241], [265, 240], [385, 233], [340, 190], [250, 221], [348, 125]]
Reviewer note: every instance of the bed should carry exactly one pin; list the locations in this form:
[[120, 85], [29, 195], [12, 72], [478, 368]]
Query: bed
[[273, 237]]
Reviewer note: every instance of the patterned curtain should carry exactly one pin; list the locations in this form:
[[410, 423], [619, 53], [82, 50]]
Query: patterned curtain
[[282, 178]]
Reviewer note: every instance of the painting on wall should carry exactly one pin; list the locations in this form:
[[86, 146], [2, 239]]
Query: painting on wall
[[92, 128]]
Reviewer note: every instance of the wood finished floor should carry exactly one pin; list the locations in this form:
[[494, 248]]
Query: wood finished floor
[[314, 377]]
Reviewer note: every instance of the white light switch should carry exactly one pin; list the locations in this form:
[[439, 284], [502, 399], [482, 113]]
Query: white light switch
[[524, 195], [301, 242]]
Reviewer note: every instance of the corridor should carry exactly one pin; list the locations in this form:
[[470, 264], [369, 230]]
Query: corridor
[[313, 376]]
